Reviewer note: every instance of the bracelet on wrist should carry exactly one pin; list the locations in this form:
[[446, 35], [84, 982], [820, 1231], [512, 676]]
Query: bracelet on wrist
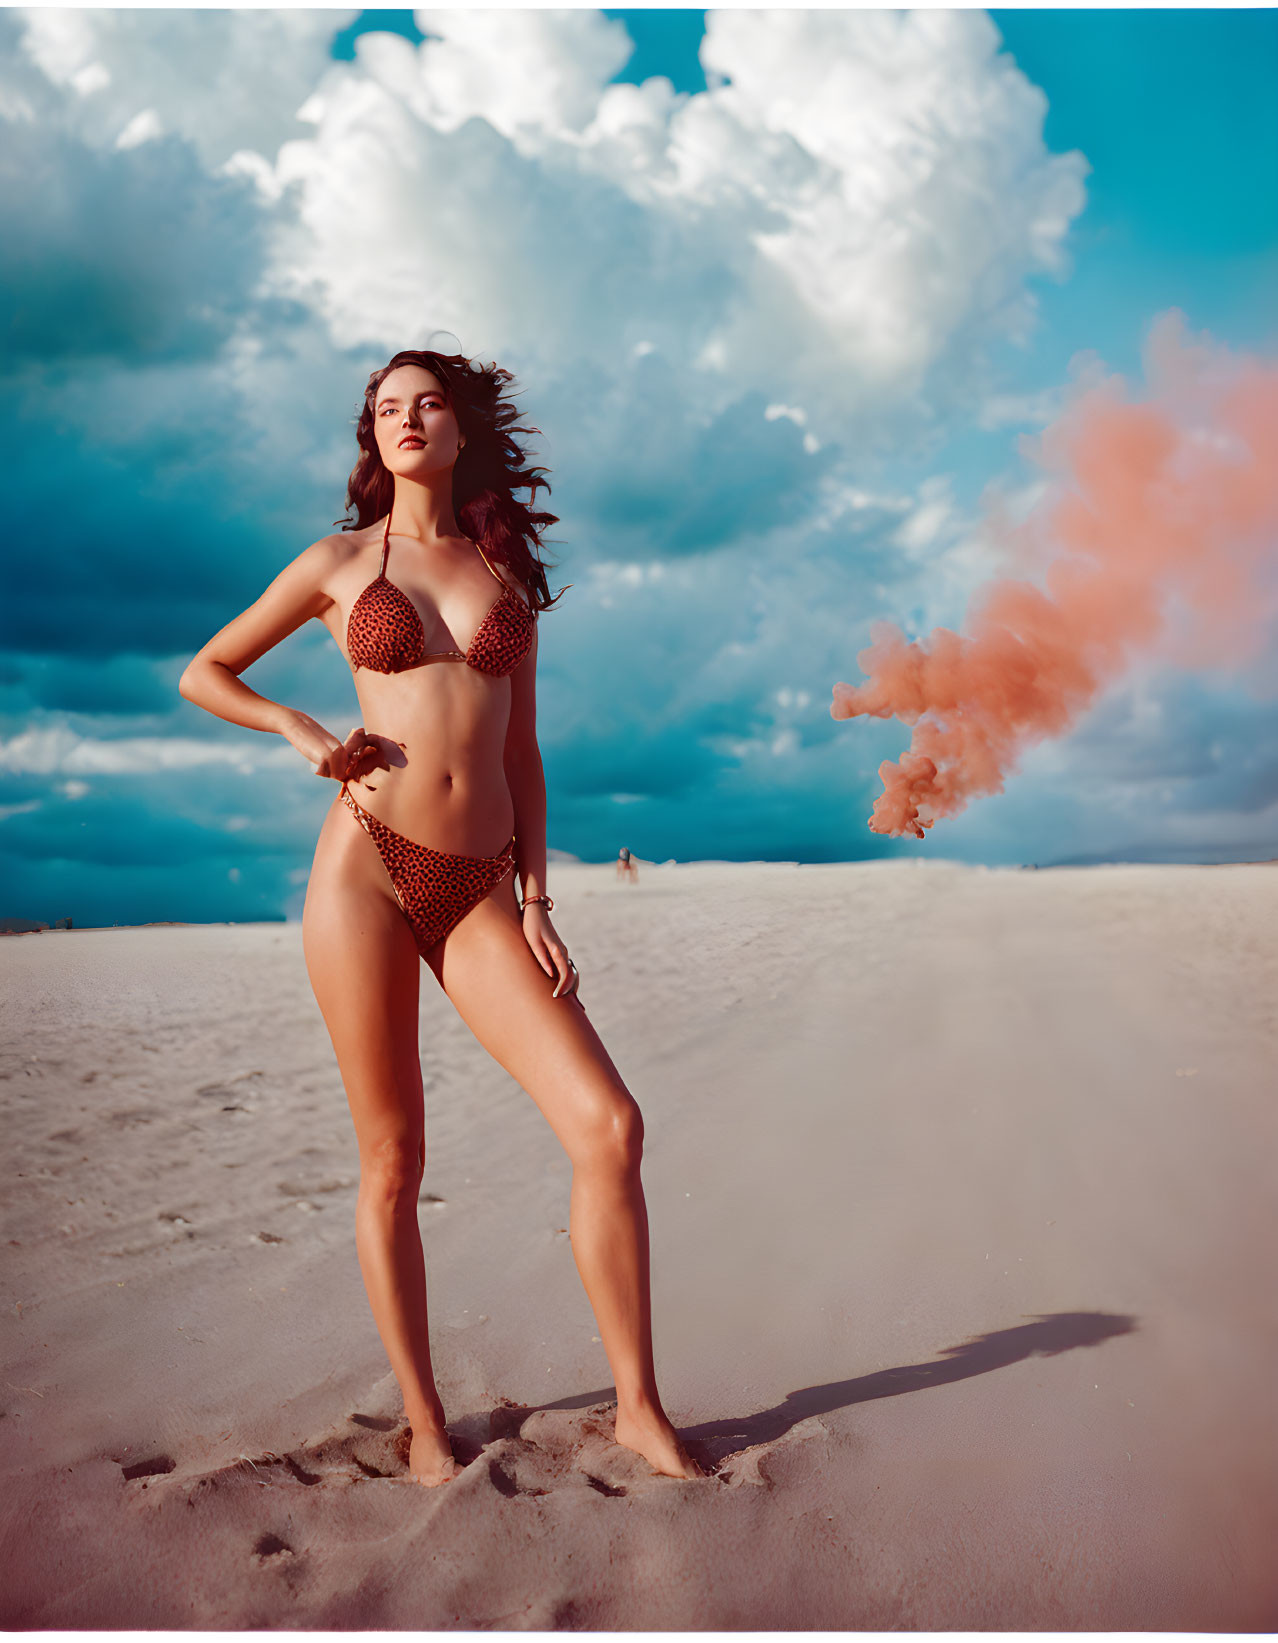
[[533, 901]]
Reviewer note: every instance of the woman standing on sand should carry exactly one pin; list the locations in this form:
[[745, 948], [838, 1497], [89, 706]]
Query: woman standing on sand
[[454, 760]]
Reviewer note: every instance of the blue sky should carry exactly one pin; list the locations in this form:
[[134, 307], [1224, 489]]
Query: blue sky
[[783, 291]]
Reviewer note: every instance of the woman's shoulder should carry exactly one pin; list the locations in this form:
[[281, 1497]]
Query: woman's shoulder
[[320, 571], [337, 550], [347, 543]]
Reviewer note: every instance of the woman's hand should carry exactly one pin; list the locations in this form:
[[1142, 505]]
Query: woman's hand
[[342, 761], [549, 950]]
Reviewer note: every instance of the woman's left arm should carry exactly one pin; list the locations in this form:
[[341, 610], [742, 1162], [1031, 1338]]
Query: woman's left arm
[[527, 782]]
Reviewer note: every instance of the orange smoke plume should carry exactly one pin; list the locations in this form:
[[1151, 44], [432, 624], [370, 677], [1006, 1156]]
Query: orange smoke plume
[[1148, 506]]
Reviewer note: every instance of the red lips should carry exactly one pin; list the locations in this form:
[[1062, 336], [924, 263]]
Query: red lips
[[411, 439]]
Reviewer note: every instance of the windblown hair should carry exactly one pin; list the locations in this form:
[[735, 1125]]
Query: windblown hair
[[489, 467]]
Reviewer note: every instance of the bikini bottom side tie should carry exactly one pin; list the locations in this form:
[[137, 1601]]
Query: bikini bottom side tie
[[434, 888]]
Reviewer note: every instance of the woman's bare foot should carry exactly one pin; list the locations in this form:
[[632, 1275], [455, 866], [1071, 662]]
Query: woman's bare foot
[[651, 1435], [430, 1457]]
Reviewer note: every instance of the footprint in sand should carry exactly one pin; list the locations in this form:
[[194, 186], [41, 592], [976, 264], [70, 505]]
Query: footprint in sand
[[523, 1453], [376, 1423], [535, 1451], [602, 1487], [130, 1116], [157, 1466], [296, 1189], [269, 1546], [225, 1090], [506, 1483], [361, 1448]]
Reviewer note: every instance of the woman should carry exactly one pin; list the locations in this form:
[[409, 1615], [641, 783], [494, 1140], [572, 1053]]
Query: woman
[[440, 804]]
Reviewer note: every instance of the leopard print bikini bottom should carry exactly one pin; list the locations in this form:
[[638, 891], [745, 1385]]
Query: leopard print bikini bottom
[[435, 888]]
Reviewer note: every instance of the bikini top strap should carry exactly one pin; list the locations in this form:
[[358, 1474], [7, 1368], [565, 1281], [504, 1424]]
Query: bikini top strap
[[386, 543], [490, 564], [505, 584]]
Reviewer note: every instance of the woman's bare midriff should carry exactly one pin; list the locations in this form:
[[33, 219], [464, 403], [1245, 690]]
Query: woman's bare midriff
[[441, 725]]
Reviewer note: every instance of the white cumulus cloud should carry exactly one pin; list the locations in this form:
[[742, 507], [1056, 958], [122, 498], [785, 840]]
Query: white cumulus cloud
[[849, 212]]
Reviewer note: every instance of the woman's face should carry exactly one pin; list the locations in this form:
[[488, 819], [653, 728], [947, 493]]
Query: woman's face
[[411, 406]]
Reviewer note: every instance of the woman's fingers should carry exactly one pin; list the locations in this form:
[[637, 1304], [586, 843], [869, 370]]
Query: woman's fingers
[[364, 753], [350, 760], [562, 965], [359, 754], [554, 960]]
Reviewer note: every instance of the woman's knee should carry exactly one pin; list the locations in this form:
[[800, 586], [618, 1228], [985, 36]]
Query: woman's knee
[[611, 1135], [391, 1165]]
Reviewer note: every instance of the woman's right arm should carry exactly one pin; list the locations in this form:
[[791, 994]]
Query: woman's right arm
[[212, 677]]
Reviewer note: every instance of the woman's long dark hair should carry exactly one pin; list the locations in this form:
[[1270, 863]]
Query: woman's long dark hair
[[488, 468]]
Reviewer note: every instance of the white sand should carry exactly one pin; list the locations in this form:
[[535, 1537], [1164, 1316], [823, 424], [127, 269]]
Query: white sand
[[964, 1242]]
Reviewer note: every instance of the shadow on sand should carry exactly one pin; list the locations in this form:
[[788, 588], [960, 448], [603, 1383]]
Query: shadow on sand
[[1046, 1337]]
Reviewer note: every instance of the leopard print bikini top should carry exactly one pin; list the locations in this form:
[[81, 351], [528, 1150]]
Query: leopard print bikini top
[[384, 631]]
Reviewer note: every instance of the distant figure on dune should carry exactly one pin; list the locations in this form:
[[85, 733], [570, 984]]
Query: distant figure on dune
[[626, 866], [456, 761]]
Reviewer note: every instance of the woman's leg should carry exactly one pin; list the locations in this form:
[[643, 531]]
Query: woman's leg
[[549, 1045], [366, 971]]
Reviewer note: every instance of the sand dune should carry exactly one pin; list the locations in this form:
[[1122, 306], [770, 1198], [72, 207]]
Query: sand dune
[[964, 1233]]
